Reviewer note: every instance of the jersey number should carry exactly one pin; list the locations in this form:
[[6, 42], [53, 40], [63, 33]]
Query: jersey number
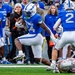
[[69, 17]]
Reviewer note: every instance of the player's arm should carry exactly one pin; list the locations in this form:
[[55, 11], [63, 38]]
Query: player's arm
[[49, 31], [45, 27], [57, 24]]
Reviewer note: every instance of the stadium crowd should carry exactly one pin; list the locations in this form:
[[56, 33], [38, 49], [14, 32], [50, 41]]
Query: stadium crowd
[[24, 26]]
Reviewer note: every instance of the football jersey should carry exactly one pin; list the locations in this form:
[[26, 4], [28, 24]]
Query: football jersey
[[23, 6], [1, 25], [33, 24], [61, 7], [67, 20], [7, 7], [5, 10]]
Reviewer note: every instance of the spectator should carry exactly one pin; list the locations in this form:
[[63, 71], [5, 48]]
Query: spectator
[[24, 2], [14, 30], [13, 1], [50, 20], [38, 9]]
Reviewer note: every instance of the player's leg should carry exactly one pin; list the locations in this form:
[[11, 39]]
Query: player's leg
[[19, 47], [65, 39], [61, 43], [37, 51], [60, 55], [65, 52], [4, 60], [28, 39], [2, 53]]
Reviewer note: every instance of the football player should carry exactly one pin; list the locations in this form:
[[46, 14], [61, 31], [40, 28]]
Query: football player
[[34, 38], [66, 17], [4, 60], [67, 65]]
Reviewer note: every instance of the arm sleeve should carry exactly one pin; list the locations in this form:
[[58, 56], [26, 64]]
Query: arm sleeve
[[57, 24]]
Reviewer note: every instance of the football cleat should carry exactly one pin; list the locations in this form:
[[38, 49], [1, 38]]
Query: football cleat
[[53, 66], [56, 70], [48, 68], [19, 56]]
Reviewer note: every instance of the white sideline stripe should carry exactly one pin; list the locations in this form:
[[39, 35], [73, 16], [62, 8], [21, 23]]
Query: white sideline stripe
[[18, 66]]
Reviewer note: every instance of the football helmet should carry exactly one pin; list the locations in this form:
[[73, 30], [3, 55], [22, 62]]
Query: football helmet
[[69, 5], [65, 65], [29, 10]]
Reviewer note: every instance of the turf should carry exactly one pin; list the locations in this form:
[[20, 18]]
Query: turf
[[29, 71]]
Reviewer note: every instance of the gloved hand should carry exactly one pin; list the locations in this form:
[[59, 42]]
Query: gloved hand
[[19, 25]]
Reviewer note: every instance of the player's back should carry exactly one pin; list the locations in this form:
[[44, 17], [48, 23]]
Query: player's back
[[68, 19]]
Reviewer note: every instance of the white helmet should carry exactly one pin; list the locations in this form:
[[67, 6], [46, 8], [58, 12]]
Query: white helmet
[[69, 4], [66, 64], [30, 10]]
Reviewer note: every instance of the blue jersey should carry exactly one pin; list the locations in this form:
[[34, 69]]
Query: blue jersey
[[33, 24], [23, 6], [68, 20], [61, 7], [1, 25], [7, 7], [50, 21], [4, 10]]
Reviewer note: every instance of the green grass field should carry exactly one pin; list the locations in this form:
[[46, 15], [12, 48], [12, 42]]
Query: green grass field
[[27, 70]]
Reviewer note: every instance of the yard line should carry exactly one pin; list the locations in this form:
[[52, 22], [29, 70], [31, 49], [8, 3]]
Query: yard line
[[18, 66]]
